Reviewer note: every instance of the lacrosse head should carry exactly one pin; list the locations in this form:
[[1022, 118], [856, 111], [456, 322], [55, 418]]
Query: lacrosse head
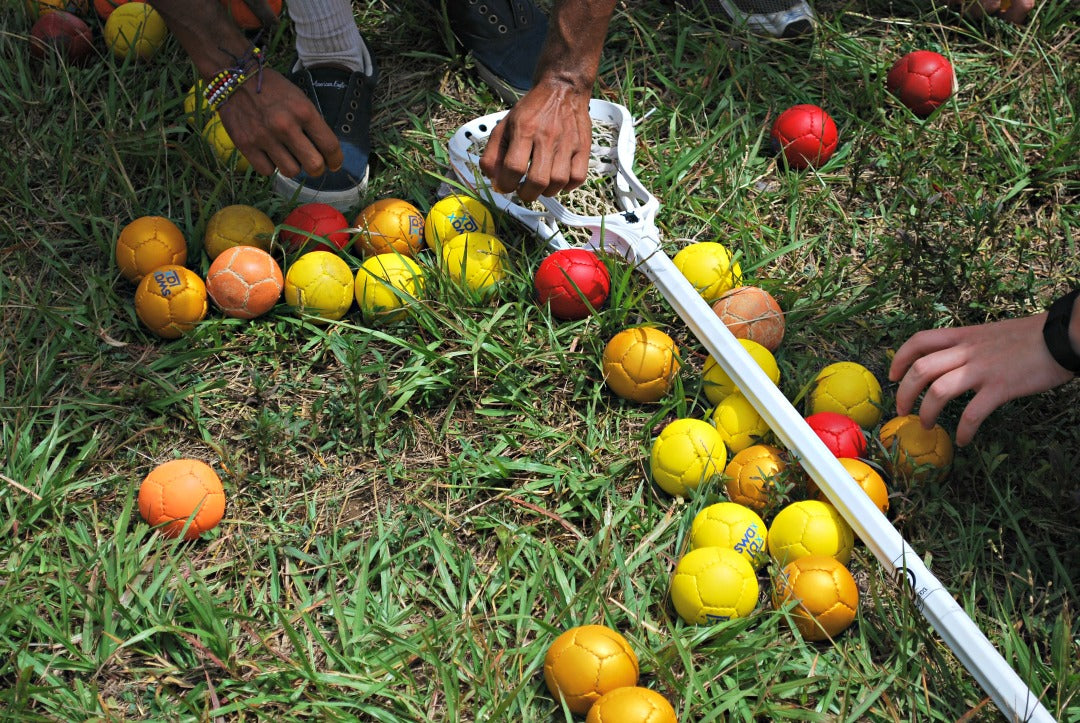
[[613, 207]]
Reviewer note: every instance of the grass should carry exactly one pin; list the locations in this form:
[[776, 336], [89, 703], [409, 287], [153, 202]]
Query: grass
[[416, 510]]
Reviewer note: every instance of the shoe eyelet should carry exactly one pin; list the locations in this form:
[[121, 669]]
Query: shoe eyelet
[[349, 117], [352, 104], [503, 29], [483, 9], [493, 19], [346, 128]]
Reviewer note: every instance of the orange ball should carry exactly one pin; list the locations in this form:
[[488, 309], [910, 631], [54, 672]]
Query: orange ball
[[179, 490], [245, 282], [38, 8], [750, 312], [171, 300], [914, 453], [826, 593], [148, 243], [751, 474], [242, 15], [641, 363], [631, 704], [868, 479], [587, 661], [389, 226]]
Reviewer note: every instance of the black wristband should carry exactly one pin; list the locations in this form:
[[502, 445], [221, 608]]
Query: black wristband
[[1056, 332]]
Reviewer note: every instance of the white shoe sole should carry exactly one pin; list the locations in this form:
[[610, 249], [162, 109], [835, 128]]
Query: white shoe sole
[[795, 20], [343, 200]]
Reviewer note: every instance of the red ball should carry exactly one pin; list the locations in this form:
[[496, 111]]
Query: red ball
[[922, 80], [570, 281], [840, 433], [242, 15], [806, 135], [319, 219], [64, 33], [104, 8]]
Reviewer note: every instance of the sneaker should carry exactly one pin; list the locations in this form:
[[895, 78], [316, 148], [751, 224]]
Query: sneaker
[[344, 99], [779, 18], [505, 38]]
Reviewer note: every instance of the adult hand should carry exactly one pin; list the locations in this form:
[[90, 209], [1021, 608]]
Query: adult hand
[[542, 145], [268, 118], [1015, 11], [275, 125], [999, 361]]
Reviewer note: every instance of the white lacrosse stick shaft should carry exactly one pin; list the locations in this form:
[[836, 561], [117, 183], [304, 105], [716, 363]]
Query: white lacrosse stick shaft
[[634, 235]]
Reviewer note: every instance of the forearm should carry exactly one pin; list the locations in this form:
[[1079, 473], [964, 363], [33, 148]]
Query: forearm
[[206, 32], [575, 39]]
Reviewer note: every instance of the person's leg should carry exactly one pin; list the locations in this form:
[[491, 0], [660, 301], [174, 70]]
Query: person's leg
[[326, 34], [336, 71], [505, 38]]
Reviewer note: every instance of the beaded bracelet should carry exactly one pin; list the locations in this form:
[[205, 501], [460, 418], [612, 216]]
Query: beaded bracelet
[[225, 83]]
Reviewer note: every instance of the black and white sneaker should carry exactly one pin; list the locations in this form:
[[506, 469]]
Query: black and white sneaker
[[505, 38], [779, 18], [344, 99]]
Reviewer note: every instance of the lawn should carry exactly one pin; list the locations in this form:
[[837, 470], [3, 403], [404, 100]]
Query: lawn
[[416, 510]]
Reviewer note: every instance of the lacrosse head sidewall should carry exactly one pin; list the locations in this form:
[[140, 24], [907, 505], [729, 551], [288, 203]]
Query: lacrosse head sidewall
[[637, 207]]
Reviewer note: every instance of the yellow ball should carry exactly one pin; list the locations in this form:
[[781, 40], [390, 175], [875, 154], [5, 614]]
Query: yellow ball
[[847, 388], [718, 384], [171, 300], [385, 284], [867, 478], [631, 705], [147, 243], [713, 584], [237, 225], [731, 525], [825, 592], [810, 527], [453, 216], [137, 28], [389, 225], [751, 474], [221, 143], [738, 422], [686, 453], [475, 259], [640, 363], [321, 284], [586, 662], [914, 453], [196, 112], [710, 268]]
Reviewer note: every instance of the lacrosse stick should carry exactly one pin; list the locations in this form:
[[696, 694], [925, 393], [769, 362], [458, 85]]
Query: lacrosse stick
[[626, 225]]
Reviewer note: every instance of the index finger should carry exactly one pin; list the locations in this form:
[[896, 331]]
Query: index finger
[[920, 344], [326, 143], [499, 160]]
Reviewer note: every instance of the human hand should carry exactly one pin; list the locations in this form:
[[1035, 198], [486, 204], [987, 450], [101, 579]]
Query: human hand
[[1015, 11], [999, 361], [545, 139], [276, 126]]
